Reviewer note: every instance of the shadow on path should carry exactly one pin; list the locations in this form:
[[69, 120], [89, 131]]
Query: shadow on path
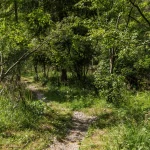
[[77, 132]]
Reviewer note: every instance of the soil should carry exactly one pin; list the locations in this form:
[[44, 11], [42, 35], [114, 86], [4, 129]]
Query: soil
[[77, 132], [80, 124], [39, 95]]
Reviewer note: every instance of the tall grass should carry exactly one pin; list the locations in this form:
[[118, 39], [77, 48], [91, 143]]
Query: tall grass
[[123, 128], [16, 115], [27, 123]]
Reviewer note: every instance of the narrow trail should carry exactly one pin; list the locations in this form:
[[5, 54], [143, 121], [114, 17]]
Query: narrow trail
[[39, 95], [80, 124], [77, 132]]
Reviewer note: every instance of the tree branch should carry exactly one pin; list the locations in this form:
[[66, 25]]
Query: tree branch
[[2, 64], [135, 19], [141, 13], [24, 56], [117, 22], [129, 16]]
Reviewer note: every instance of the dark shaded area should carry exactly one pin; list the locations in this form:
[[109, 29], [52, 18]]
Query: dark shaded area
[[60, 122], [106, 120]]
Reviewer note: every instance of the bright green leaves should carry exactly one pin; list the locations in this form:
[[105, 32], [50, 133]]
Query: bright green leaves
[[71, 46], [39, 21], [144, 63], [13, 37], [61, 41], [17, 34], [139, 13]]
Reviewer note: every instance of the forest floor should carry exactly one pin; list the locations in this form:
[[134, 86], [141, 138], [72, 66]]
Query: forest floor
[[77, 131], [71, 117]]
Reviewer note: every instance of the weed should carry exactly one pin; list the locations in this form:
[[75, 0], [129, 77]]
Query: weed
[[29, 123]]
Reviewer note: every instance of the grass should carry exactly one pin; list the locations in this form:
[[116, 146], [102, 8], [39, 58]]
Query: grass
[[29, 123], [33, 125], [123, 128], [24, 139], [72, 96]]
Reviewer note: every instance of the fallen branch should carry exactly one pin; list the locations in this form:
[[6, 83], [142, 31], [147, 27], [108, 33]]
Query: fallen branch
[[24, 56]]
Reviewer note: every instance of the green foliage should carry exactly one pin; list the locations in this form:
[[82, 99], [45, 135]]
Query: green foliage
[[82, 33], [136, 138], [16, 115], [71, 47], [39, 21], [111, 86], [27, 122], [82, 102], [126, 137], [122, 128]]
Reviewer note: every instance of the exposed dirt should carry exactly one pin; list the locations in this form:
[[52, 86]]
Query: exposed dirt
[[39, 95], [80, 124], [77, 132]]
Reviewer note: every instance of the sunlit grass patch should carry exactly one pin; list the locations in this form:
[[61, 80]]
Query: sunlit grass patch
[[30, 123], [142, 98], [35, 123], [24, 139], [121, 128], [99, 106], [119, 137], [93, 140]]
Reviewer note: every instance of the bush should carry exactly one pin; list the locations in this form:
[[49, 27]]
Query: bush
[[112, 87]]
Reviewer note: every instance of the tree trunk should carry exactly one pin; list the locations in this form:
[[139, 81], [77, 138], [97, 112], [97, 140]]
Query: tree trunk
[[111, 70], [36, 72], [63, 75], [18, 75], [44, 69], [1, 61], [16, 10], [111, 60]]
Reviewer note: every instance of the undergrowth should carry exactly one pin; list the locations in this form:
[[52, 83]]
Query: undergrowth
[[29, 123], [26, 123], [124, 128]]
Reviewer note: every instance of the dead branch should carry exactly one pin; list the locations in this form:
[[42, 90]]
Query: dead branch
[[23, 57]]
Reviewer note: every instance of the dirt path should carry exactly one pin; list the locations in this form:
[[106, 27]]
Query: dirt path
[[77, 132], [80, 124], [39, 95]]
